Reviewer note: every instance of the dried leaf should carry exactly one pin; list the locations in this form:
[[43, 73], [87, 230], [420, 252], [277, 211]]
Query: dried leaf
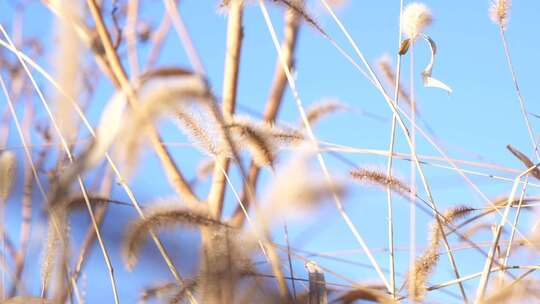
[[525, 160], [404, 47], [426, 73]]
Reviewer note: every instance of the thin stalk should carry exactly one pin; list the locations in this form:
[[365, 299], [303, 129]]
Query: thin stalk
[[286, 233], [516, 219], [263, 239], [518, 93], [389, 166], [230, 83], [121, 180], [26, 208], [185, 39], [28, 155], [174, 175], [320, 158], [275, 98], [131, 37], [79, 178], [482, 285]]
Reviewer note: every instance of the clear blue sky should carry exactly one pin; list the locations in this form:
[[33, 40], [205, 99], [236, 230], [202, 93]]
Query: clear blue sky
[[475, 122]]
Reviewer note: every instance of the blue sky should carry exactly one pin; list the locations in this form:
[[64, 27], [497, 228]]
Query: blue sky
[[474, 123]]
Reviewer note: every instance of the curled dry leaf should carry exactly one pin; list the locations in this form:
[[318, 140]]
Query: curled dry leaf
[[426, 73], [404, 46]]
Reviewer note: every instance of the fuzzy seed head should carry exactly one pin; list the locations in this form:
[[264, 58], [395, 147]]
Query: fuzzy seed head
[[416, 16], [499, 12]]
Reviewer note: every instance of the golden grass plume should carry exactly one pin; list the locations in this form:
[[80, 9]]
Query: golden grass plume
[[425, 264], [322, 108], [162, 216], [379, 178], [8, 171], [499, 12]]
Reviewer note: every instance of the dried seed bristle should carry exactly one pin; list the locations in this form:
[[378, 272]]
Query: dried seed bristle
[[256, 141], [381, 179], [426, 263], [320, 109], [163, 216], [200, 132]]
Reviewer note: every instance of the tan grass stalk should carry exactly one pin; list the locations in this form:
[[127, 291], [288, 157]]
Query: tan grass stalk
[[174, 175], [23, 140], [158, 38], [265, 244], [90, 237], [390, 76], [71, 159], [67, 62], [121, 179], [395, 79], [313, 139], [230, 83], [517, 89], [482, 285], [273, 103], [396, 110], [530, 268], [158, 97], [185, 39], [131, 37], [26, 202], [512, 234]]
